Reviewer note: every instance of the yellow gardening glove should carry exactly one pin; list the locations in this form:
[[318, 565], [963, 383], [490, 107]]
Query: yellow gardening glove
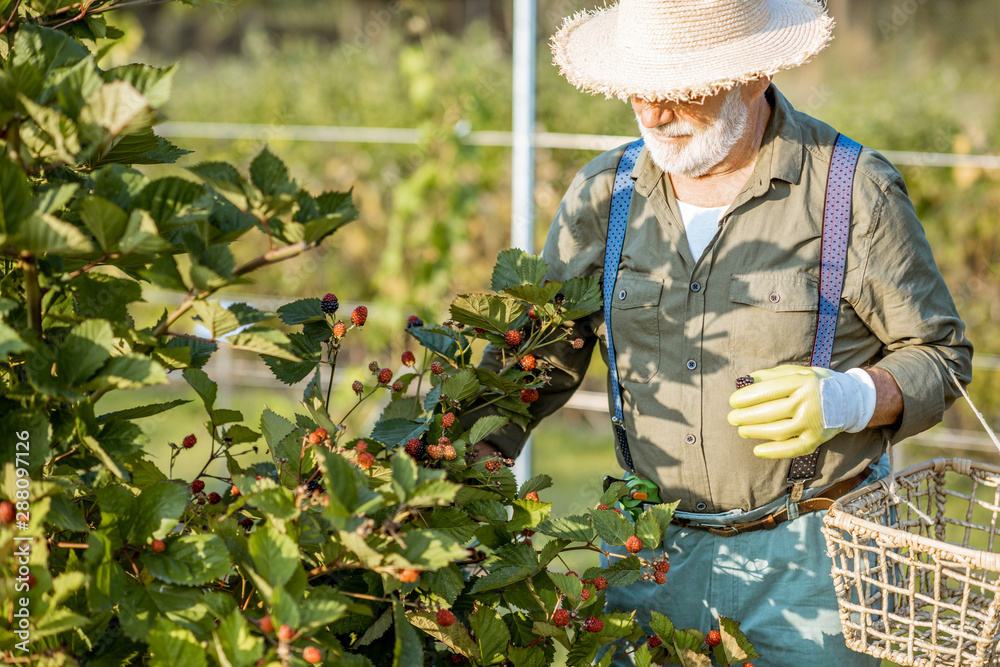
[[784, 405]]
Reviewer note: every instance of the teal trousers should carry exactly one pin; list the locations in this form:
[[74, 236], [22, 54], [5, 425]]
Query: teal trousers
[[776, 583]]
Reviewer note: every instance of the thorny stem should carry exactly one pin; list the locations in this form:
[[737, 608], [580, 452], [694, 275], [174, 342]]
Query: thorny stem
[[332, 355], [6, 24], [103, 258], [360, 400]]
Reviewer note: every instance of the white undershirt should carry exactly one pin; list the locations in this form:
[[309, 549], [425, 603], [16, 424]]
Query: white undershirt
[[700, 224]]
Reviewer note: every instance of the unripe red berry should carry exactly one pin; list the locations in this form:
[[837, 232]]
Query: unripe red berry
[[633, 544], [397, 387], [385, 376], [285, 633], [585, 594], [493, 465], [314, 438], [577, 343], [357, 387], [339, 329], [247, 523], [457, 659], [409, 576], [747, 664], [407, 358], [444, 441], [532, 314], [602, 506], [266, 625], [600, 583], [365, 460], [437, 368], [660, 578], [361, 446], [512, 337], [450, 453], [445, 618], [593, 624], [189, 441], [359, 316], [435, 452], [527, 362], [197, 486], [7, 512], [713, 638], [236, 491], [560, 617], [529, 395], [158, 546], [214, 498], [448, 420], [373, 367], [617, 511], [654, 641], [32, 580], [531, 495], [312, 655], [662, 565]]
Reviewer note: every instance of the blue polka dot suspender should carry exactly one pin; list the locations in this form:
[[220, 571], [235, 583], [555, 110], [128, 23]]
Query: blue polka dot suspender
[[836, 227], [833, 260], [621, 198]]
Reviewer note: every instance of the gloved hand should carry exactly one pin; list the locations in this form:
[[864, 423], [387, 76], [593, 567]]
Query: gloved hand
[[800, 408], [640, 491]]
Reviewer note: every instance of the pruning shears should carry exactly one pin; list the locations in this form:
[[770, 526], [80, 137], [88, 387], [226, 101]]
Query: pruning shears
[[640, 491]]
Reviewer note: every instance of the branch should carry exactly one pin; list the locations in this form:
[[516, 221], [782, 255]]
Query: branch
[[6, 24], [32, 293]]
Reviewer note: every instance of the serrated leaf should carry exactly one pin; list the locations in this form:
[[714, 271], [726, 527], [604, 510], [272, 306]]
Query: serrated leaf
[[85, 350], [576, 527], [171, 645], [397, 431], [534, 294], [454, 522], [612, 527], [301, 311], [240, 434], [275, 555], [377, 629], [218, 320], [642, 657], [141, 411], [486, 426], [290, 372], [735, 645], [581, 296], [623, 571], [153, 82], [662, 626], [158, 509], [688, 645], [516, 267], [648, 530], [461, 385], [454, 636], [43, 233], [236, 642], [487, 510], [430, 549], [663, 513], [535, 484], [129, 371], [408, 650], [10, 342], [431, 493], [569, 584], [204, 386], [193, 560], [486, 311], [447, 583], [15, 196], [264, 341], [168, 200], [316, 612], [528, 514], [491, 635], [104, 220], [614, 493], [270, 175], [91, 443], [435, 341]]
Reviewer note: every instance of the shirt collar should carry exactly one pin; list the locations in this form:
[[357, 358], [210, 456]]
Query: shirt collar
[[780, 155]]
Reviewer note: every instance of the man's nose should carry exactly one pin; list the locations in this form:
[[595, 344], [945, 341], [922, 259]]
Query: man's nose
[[655, 114]]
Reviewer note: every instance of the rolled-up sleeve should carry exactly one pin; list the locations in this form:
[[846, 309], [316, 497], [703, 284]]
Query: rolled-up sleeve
[[906, 304]]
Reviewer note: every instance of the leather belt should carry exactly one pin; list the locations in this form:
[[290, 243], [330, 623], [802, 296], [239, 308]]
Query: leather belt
[[822, 501]]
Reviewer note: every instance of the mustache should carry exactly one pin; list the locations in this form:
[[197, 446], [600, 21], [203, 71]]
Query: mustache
[[672, 130]]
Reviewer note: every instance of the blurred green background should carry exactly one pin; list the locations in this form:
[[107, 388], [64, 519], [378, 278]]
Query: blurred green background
[[900, 75]]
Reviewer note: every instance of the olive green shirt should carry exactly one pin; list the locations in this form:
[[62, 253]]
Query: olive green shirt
[[686, 328]]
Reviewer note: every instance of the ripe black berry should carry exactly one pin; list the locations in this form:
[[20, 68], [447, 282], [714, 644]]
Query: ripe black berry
[[313, 485], [414, 321], [329, 304], [744, 381]]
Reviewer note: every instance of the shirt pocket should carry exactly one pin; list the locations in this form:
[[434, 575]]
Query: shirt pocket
[[773, 320], [635, 322]]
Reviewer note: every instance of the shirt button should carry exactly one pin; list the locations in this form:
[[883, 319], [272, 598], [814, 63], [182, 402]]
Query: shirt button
[[695, 287], [622, 295], [690, 439], [701, 507], [692, 364], [774, 298]]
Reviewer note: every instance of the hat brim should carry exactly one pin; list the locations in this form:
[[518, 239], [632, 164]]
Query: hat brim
[[587, 54]]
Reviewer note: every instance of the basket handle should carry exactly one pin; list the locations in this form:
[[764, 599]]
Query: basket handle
[[982, 420]]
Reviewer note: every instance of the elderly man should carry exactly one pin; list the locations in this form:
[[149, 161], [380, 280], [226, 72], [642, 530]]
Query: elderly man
[[744, 238]]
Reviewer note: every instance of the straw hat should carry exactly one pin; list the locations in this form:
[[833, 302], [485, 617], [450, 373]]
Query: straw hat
[[683, 49]]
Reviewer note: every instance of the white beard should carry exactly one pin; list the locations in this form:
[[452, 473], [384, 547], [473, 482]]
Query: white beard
[[707, 146]]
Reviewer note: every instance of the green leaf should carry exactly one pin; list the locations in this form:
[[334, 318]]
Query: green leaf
[[163, 273], [622, 572], [129, 371], [95, 448], [516, 267], [53, 199], [536, 483], [158, 509], [487, 510], [453, 522], [270, 175], [581, 296], [240, 434], [104, 220], [534, 294], [15, 196], [642, 657], [435, 341], [576, 527], [317, 612], [204, 386], [142, 236], [528, 514], [57, 620], [454, 636], [117, 108], [85, 350], [446, 583], [171, 645], [102, 296], [569, 584], [431, 493], [661, 625], [487, 311], [10, 342], [735, 645], [648, 530], [408, 650], [491, 635], [153, 82], [486, 426], [528, 656], [274, 428], [291, 372], [616, 491], [301, 311], [395, 432], [689, 645], [264, 341], [193, 560], [461, 385], [612, 527], [431, 549], [275, 555], [235, 641], [218, 320], [38, 52], [168, 199], [43, 233]]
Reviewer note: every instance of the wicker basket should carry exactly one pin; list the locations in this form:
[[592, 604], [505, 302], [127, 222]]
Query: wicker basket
[[917, 580]]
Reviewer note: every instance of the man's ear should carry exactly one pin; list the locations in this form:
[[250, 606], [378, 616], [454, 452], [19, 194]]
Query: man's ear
[[755, 88]]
